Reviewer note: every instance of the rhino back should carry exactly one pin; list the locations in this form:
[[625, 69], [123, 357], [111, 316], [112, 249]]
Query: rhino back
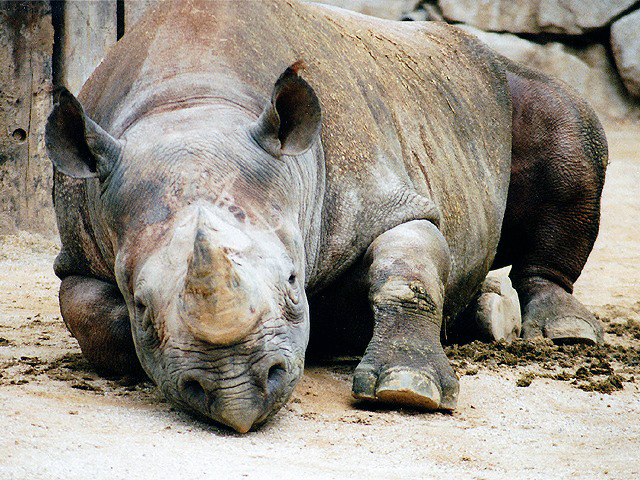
[[414, 116]]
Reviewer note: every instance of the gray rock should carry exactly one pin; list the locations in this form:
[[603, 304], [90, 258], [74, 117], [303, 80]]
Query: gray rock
[[424, 12], [134, 10], [418, 15], [625, 41], [493, 15], [534, 16], [588, 70], [390, 9]]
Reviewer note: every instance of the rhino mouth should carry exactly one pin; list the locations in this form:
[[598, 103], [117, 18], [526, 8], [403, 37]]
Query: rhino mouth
[[246, 408], [232, 390]]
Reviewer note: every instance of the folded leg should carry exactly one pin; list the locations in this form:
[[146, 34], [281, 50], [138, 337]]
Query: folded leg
[[96, 315]]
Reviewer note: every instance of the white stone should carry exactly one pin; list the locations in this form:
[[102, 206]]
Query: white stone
[[625, 42], [588, 70], [534, 16], [390, 9], [498, 309]]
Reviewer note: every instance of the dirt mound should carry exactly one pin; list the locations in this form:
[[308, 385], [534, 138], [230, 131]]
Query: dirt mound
[[602, 368]]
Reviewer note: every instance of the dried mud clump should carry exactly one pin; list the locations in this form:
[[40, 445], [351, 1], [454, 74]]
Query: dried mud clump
[[74, 362], [525, 380], [608, 385], [601, 368], [631, 328], [73, 369]]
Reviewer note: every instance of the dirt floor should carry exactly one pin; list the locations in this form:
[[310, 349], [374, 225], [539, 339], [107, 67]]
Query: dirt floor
[[526, 410]]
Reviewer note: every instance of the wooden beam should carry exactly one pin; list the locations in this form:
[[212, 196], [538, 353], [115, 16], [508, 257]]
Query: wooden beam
[[26, 40]]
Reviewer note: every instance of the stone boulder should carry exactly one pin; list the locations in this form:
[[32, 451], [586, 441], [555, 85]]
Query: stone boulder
[[625, 42], [572, 17], [588, 70], [390, 9]]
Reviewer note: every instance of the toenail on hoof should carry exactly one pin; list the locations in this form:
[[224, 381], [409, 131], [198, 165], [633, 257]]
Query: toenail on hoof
[[364, 383], [531, 333], [408, 387], [571, 330], [498, 317]]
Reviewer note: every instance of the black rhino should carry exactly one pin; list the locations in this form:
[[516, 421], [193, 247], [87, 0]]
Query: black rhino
[[224, 162]]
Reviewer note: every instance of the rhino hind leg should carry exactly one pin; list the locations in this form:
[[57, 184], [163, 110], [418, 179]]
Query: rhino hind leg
[[495, 312], [553, 208], [404, 363], [96, 315]]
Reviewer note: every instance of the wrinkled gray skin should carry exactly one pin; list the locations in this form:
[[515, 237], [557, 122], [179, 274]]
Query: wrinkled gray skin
[[206, 183]]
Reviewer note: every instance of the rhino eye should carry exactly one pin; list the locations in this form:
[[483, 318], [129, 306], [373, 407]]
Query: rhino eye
[[292, 279], [143, 313], [141, 310]]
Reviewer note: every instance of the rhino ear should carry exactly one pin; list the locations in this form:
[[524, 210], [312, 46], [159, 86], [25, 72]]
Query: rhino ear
[[77, 146], [291, 122]]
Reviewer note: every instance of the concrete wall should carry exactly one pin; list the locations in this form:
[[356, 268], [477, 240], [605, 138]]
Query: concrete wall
[[87, 31]]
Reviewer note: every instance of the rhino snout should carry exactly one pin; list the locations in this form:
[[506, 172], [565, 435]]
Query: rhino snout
[[242, 402], [220, 322]]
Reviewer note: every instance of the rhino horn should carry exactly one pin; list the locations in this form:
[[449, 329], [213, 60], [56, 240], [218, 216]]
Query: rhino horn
[[217, 302]]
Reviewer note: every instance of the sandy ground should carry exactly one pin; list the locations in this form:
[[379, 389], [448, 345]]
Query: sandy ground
[[60, 420]]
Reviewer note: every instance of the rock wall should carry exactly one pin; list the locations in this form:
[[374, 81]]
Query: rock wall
[[593, 45], [390, 9], [625, 41], [572, 17], [587, 69]]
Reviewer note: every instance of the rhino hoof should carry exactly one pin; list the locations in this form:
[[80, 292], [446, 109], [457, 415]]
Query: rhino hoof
[[400, 386], [364, 383], [565, 331], [559, 316], [407, 387]]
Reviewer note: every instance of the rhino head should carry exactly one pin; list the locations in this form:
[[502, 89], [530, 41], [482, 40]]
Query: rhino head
[[204, 209]]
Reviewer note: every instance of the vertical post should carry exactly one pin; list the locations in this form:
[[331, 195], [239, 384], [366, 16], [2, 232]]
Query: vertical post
[[88, 30], [26, 40], [134, 11]]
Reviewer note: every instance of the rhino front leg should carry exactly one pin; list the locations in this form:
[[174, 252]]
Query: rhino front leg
[[404, 362], [96, 315]]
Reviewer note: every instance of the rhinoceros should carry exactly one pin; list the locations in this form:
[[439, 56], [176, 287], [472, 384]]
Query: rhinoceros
[[226, 162]]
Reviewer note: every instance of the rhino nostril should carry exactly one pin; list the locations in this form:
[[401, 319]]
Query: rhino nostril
[[275, 378], [194, 391]]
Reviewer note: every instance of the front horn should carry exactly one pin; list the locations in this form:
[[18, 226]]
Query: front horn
[[216, 304]]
